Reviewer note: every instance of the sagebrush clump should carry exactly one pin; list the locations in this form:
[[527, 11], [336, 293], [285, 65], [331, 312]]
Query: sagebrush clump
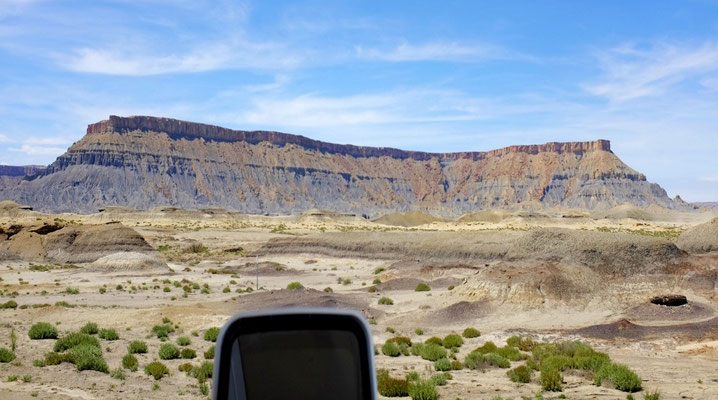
[[470, 333], [42, 330], [157, 370], [391, 387], [168, 351]]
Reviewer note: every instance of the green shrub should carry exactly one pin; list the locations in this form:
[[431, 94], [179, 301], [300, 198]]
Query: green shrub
[[129, 361], [656, 395], [513, 341], [8, 305], [168, 351], [75, 339], [421, 389], [622, 377], [520, 374], [186, 367], [157, 370], [108, 334], [118, 374], [433, 352], [440, 379], [471, 333], [417, 348], [42, 330], [390, 349], [422, 287], [295, 286], [163, 331], [400, 340], [71, 290], [184, 341], [452, 340], [442, 364], [391, 387], [419, 331], [488, 347], [137, 347], [53, 358], [6, 355], [497, 360], [456, 365], [209, 354], [187, 353], [90, 328], [386, 301], [551, 380], [510, 353], [203, 371], [211, 334], [88, 357], [435, 340]]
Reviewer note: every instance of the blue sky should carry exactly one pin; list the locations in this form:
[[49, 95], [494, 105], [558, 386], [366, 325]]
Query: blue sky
[[431, 76]]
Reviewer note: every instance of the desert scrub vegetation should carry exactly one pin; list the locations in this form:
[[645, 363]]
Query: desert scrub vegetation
[[422, 389], [476, 360], [520, 374], [42, 330], [188, 354], [295, 286], [471, 333], [75, 339], [184, 341], [80, 349], [431, 351], [211, 334], [156, 370], [620, 376], [551, 379], [386, 301], [511, 353], [422, 287], [168, 351], [209, 354], [391, 387], [108, 334], [391, 349], [452, 340], [442, 364], [6, 355], [90, 328], [11, 304], [163, 331], [137, 347], [129, 361], [488, 347]]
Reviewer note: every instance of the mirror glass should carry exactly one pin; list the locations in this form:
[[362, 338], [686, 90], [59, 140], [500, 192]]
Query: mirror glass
[[300, 364]]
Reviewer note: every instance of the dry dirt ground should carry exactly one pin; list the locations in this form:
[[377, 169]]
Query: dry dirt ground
[[554, 276]]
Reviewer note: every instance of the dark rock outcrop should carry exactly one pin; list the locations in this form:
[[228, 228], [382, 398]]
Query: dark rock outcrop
[[144, 162]]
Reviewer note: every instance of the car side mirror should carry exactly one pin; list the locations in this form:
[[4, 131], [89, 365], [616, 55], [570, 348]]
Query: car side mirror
[[311, 354]]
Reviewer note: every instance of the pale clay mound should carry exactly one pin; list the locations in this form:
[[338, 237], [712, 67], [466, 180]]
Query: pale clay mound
[[128, 261], [700, 239], [407, 219], [69, 244]]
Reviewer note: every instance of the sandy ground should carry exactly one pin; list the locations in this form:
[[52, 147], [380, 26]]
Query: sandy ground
[[487, 294]]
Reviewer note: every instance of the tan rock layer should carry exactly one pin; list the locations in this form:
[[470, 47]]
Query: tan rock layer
[[191, 130]]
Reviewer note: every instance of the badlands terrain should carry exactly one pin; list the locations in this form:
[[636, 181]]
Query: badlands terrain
[[168, 276]]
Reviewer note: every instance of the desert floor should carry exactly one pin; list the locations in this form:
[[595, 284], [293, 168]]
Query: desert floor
[[500, 296]]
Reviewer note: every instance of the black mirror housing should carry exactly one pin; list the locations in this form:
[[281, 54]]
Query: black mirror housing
[[295, 353]]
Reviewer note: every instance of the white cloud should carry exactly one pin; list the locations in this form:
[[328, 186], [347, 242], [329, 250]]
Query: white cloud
[[5, 139], [433, 51], [236, 53], [630, 72], [36, 150]]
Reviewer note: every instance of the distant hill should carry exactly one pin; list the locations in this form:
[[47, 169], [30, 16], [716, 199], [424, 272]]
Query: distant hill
[[709, 204], [144, 162]]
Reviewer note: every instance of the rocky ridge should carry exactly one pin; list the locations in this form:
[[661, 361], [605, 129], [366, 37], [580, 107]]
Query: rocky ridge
[[144, 162]]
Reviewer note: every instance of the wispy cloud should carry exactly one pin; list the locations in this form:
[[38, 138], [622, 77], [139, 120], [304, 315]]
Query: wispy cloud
[[37, 146], [631, 72], [236, 53], [433, 51]]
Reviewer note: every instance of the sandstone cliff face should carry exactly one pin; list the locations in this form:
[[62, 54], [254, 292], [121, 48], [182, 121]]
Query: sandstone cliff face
[[144, 162]]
